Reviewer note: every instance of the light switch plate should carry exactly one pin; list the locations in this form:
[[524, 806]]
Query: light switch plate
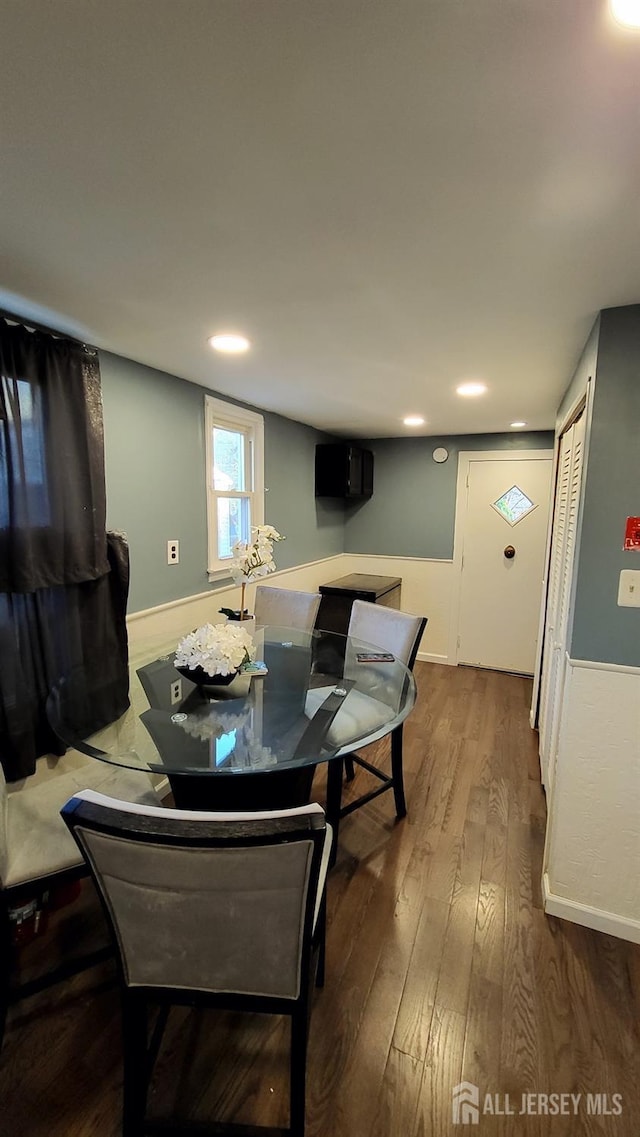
[[629, 589]]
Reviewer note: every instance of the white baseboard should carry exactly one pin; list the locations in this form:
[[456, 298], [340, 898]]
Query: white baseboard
[[623, 927], [429, 657]]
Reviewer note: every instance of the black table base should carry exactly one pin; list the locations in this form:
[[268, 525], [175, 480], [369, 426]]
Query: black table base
[[245, 793]]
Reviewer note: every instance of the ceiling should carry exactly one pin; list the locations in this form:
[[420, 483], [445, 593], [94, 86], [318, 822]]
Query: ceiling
[[387, 197]]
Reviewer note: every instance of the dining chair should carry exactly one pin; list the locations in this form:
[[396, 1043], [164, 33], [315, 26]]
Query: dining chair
[[38, 856], [286, 607], [209, 909], [396, 632]]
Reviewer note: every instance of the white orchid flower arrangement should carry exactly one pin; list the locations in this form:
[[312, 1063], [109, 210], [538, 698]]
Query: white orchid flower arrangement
[[219, 649], [253, 560]]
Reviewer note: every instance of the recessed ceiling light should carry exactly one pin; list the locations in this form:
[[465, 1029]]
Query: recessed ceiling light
[[230, 343], [626, 12], [413, 420], [471, 389], [515, 425]]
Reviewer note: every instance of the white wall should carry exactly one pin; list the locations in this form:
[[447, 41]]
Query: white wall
[[426, 591], [592, 856]]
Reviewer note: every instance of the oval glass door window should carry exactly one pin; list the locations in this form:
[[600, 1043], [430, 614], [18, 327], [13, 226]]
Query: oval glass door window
[[513, 505]]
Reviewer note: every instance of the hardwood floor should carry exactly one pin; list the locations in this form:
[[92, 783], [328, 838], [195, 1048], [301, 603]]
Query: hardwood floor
[[441, 966]]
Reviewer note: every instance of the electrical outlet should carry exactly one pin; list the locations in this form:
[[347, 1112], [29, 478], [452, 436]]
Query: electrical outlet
[[629, 589], [176, 692], [173, 552]]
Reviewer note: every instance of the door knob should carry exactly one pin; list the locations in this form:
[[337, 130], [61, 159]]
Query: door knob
[[509, 552]]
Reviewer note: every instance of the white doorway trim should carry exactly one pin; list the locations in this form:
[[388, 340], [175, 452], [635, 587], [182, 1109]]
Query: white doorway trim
[[465, 457]]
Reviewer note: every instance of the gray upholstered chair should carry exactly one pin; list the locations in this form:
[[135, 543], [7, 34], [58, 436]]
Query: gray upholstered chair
[[286, 607], [400, 634], [37, 854], [224, 910]]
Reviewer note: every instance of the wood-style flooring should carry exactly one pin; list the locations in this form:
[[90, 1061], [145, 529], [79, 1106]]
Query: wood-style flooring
[[441, 966]]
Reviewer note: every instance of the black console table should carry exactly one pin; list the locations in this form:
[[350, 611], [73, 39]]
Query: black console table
[[339, 595]]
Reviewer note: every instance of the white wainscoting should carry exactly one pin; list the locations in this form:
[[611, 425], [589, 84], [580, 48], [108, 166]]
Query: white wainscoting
[[592, 854], [167, 622], [426, 591]]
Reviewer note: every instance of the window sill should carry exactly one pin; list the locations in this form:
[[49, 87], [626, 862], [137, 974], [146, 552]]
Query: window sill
[[218, 576]]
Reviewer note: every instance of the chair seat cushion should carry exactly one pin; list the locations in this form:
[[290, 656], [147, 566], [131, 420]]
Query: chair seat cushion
[[357, 722], [38, 841]]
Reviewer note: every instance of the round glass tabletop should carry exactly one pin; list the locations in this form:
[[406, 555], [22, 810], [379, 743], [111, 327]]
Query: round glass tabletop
[[320, 695]]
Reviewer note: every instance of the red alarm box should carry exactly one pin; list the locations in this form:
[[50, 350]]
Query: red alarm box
[[632, 534]]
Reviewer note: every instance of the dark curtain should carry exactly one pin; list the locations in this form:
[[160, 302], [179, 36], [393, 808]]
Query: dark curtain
[[63, 584]]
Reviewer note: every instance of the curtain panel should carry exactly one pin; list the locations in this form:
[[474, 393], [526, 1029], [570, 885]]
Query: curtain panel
[[63, 582], [52, 488], [50, 634]]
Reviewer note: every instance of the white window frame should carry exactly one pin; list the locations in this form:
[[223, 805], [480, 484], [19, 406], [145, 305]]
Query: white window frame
[[226, 416]]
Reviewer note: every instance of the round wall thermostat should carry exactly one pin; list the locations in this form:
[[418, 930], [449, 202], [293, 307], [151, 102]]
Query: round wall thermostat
[[440, 454]]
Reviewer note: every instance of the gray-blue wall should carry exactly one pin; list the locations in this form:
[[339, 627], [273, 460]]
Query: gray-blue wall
[[412, 511], [154, 455], [155, 471], [602, 631]]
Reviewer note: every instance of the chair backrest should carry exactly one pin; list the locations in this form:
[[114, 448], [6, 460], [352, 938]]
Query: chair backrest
[[286, 607], [221, 903], [387, 628]]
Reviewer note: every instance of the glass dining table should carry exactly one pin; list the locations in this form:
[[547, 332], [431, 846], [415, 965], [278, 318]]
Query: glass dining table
[[254, 744]]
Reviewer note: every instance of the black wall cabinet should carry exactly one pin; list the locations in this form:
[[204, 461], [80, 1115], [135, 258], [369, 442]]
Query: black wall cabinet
[[343, 470]]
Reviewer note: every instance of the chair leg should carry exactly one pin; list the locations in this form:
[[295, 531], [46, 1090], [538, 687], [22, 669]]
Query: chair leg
[[397, 772], [334, 799], [298, 1071], [136, 1065], [349, 768], [321, 932]]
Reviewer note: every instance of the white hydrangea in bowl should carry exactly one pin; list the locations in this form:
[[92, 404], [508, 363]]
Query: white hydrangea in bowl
[[214, 653], [205, 724]]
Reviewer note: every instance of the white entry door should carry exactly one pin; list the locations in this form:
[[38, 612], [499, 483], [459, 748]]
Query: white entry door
[[501, 529]]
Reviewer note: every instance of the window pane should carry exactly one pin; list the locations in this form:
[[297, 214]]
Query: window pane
[[228, 459], [514, 505], [233, 523], [235, 467], [22, 446]]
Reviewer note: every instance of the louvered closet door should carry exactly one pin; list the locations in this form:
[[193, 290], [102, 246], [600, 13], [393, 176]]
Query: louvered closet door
[[560, 574]]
